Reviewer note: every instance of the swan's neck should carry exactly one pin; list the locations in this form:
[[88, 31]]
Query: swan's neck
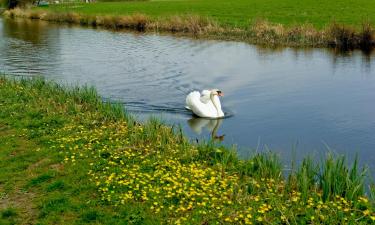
[[216, 101]]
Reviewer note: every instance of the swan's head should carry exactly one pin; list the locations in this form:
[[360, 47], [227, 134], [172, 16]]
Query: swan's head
[[217, 92]]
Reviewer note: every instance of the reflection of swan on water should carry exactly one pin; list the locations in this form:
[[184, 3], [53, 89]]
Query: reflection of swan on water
[[206, 104], [197, 124]]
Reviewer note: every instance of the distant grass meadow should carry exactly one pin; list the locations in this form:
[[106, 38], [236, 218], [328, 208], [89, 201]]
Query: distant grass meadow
[[345, 24], [241, 13], [68, 158]]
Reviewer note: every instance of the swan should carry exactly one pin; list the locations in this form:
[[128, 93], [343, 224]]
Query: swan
[[206, 104]]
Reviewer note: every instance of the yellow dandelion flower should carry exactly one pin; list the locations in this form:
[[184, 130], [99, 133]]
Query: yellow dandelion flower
[[366, 212], [228, 219]]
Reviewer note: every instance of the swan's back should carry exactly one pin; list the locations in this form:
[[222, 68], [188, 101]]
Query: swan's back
[[194, 103]]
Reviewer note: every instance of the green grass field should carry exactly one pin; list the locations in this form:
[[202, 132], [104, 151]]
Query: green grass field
[[240, 13], [68, 158]]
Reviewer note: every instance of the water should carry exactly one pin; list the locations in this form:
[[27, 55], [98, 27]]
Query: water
[[294, 101]]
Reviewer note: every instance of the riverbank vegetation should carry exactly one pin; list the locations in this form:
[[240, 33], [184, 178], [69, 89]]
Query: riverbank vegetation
[[343, 23], [67, 156]]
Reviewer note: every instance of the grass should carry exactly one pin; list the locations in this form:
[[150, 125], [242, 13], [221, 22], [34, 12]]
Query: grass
[[67, 157], [240, 13]]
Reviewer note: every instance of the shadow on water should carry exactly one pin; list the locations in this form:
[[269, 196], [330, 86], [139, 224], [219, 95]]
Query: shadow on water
[[211, 125], [29, 47], [336, 54], [26, 30]]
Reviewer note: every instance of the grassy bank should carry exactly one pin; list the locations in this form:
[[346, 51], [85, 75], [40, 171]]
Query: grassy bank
[[344, 24], [68, 157]]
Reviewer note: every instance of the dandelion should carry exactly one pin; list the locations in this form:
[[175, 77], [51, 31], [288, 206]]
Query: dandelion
[[228, 219]]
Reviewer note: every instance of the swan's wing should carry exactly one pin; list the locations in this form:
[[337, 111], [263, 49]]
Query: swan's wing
[[206, 92], [205, 96], [206, 99], [190, 98], [194, 103]]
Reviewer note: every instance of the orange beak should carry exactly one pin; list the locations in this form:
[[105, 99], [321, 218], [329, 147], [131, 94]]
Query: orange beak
[[221, 94]]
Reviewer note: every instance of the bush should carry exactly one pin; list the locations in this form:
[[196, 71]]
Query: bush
[[10, 4]]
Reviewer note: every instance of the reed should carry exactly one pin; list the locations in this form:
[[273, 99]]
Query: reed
[[306, 177], [367, 35], [332, 176], [337, 179]]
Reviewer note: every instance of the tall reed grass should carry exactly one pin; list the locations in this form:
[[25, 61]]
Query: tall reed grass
[[332, 177], [260, 32]]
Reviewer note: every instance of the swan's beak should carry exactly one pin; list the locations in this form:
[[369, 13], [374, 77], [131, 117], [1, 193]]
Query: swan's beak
[[220, 93]]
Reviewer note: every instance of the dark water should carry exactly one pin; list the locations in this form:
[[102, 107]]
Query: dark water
[[306, 100]]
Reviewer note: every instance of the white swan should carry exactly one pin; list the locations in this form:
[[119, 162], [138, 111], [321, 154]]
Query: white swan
[[206, 105]]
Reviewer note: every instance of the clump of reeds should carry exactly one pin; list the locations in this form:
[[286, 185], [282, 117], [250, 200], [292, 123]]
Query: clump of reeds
[[268, 32], [347, 37], [137, 22], [264, 32], [333, 177], [17, 12], [366, 36], [342, 36], [263, 165], [337, 178], [186, 24], [306, 177]]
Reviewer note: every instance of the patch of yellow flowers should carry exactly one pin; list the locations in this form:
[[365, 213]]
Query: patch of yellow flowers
[[128, 168]]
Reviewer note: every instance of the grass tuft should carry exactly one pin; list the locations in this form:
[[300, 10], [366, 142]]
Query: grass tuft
[[40, 179], [57, 185], [337, 179], [8, 213]]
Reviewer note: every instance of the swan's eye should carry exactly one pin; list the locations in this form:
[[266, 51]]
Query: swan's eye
[[219, 92]]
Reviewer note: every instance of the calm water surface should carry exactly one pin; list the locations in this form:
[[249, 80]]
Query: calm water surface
[[283, 99]]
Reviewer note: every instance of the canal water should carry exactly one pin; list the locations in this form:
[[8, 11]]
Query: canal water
[[296, 102]]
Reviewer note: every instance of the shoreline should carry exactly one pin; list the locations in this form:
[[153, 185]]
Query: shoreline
[[259, 33]]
